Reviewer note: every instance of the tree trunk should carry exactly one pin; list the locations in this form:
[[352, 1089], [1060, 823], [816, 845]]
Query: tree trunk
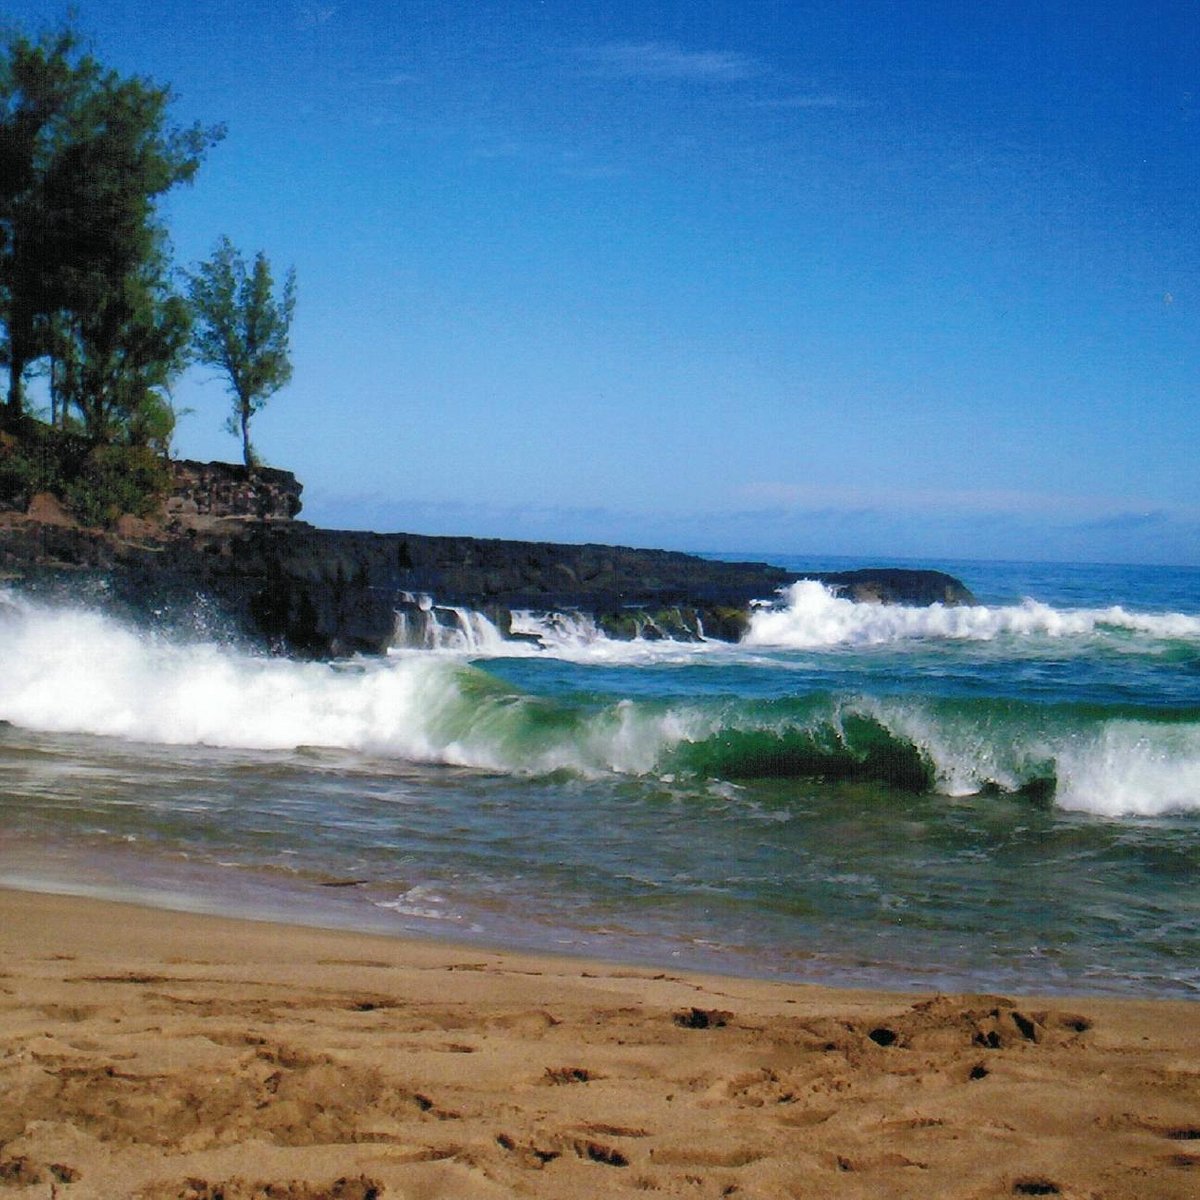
[[247, 451], [20, 353], [54, 390], [15, 405]]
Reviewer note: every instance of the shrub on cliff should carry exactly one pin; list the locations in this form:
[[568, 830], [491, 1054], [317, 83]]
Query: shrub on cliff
[[32, 460], [96, 483], [114, 480]]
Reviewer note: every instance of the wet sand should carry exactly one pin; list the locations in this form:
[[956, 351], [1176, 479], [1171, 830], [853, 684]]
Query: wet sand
[[161, 1055]]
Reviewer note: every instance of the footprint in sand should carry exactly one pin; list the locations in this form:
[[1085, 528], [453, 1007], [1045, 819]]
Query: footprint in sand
[[703, 1018], [561, 1075]]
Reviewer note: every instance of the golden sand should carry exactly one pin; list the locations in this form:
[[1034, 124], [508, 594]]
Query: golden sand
[[154, 1054]]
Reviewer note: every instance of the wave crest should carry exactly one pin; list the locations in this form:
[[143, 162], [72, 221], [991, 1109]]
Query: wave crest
[[812, 616]]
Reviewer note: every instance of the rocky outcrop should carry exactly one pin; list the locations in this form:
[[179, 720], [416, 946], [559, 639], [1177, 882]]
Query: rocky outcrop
[[896, 585], [218, 490], [320, 592], [326, 592]]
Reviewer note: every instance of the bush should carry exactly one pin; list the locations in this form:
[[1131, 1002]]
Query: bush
[[28, 465], [96, 483], [113, 480]]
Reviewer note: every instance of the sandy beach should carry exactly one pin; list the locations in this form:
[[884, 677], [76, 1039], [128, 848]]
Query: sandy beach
[[163, 1055]]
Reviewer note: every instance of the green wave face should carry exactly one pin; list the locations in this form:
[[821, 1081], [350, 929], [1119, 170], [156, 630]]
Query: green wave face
[[1105, 759], [854, 748]]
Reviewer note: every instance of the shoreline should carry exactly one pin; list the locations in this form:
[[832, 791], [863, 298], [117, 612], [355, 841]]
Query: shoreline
[[153, 1053], [193, 889], [175, 882]]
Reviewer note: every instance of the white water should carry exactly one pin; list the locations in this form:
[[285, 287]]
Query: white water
[[425, 625], [813, 616], [1119, 768], [75, 671], [67, 670], [575, 637], [1131, 769], [808, 616]]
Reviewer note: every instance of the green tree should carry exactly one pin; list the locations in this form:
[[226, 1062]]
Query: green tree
[[114, 364], [85, 155], [39, 84], [242, 329]]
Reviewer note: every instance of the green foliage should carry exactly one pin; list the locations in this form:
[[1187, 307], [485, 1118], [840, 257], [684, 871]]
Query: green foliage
[[85, 294], [85, 284], [115, 365], [85, 155], [25, 470], [113, 480], [242, 329], [96, 483], [38, 84]]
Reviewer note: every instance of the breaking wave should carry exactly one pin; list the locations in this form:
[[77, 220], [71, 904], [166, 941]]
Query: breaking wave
[[813, 616], [77, 671], [807, 616]]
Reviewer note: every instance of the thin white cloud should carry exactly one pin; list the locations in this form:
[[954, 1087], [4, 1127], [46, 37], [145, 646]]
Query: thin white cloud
[[812, 100], [667, 62], [885, 533], [311, 15], [804, 496]]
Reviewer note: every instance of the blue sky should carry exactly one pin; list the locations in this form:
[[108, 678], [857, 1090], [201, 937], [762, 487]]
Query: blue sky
[[877, 279]]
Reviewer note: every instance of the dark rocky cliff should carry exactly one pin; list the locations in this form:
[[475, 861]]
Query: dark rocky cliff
[[322, 592], [218, 489]]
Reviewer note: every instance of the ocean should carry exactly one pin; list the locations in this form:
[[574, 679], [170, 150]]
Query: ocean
[[1004, 797]]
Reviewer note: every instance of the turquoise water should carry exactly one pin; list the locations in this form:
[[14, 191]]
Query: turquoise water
[[999, 797]]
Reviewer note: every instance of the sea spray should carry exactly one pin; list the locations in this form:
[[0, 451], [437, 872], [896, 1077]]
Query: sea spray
[[1132, 768], [423, 625], [811, 615], [576, 637], [71, 670]]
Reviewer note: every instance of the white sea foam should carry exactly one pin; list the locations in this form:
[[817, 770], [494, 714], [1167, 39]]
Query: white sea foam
[[447, 629], [575, 637], [570, 636], [1132, 769], [74, 671], [1116, 768], [420, 901], [562, 630], [808, 616], [69, 670], [813, 616]]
